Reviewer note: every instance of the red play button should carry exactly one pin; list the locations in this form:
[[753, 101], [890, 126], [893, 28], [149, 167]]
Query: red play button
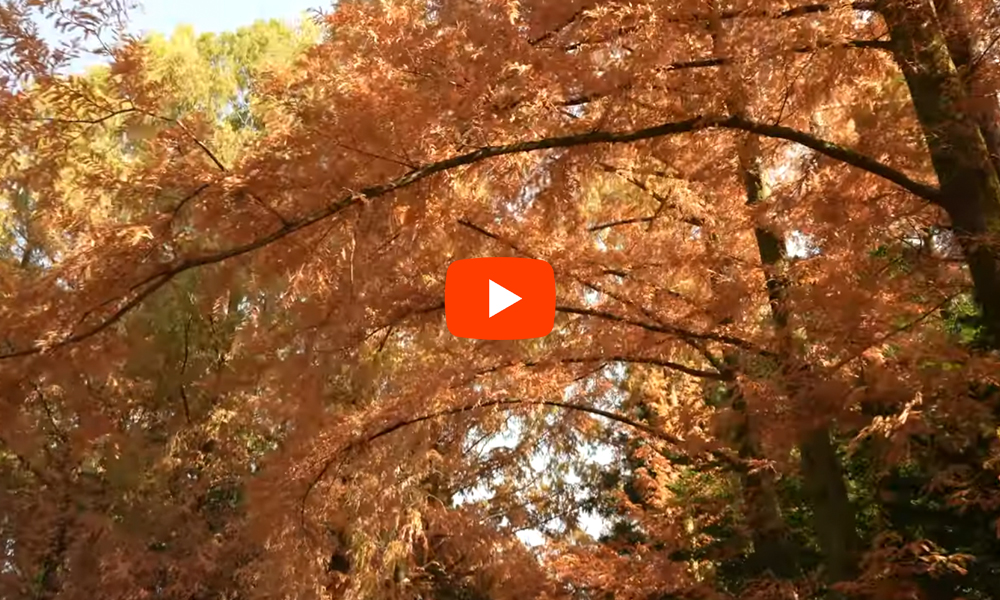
[[500, 298]]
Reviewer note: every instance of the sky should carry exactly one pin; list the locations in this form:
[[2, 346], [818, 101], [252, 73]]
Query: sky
[[215, 15], [204, 15]]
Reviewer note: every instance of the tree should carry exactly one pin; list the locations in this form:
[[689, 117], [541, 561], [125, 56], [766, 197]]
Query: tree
[[769, 226]]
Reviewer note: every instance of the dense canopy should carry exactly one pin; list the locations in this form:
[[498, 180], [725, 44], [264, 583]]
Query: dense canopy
[[225, 371]]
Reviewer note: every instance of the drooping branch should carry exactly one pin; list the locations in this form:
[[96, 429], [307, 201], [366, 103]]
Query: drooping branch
[[24, 462], [622, 358], [663, 202], [700, 123], [660, 435], [482, 231], [882, 339], [149, 285], [202, 146], [555, 31], [620, 222], [723, 457], [656, 362], [653, 324]]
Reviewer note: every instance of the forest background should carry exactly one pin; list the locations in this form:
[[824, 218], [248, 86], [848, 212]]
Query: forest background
[[224, 368]]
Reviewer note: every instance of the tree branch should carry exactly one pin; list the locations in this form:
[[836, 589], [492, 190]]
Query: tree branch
[[667, 329], [796, 11], [687, 336], [892, 333], [610, 224], [594, 286], [636, 360], [715, 61], [24, 462], [664, 203], [723, 457], [700, 123]]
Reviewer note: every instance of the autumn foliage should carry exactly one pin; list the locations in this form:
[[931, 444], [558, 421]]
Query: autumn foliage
[[224, 366]]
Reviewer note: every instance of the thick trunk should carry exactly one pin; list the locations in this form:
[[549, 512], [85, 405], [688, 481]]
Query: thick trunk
[[958, 151], [983, 106]]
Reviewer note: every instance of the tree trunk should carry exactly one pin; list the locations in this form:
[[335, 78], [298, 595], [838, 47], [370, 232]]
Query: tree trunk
[[823, 476], [821, 470], [833, 515], [770, 532], [983, 107], [958, 151]]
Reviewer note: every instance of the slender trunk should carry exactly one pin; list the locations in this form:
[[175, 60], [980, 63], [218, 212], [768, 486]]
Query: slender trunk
[[765, 519], [773, 550], [969, 184], [823, 476], [49, 582], [770, 531], [833, 515], [822, 473]]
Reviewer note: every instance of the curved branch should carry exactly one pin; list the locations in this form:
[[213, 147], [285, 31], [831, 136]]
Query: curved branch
[[656, 362], [635, 360], [701, 123], [660, 435], [668, 329], [156, 282], [724, 457], [684, 334]]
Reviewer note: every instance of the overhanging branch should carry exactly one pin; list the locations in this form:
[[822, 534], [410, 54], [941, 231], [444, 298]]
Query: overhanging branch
[[663, 202], [700, 123], [716, 61], [788, 13], [678, 332], [723, 457], [683, 334], [622, 358]]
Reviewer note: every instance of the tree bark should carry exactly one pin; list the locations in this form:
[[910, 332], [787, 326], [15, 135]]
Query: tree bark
[[834, 519], [970, 189], [835, 526], [833, 514], [984, 108]]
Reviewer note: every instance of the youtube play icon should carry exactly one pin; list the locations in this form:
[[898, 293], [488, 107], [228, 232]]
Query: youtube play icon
[[500, 298]]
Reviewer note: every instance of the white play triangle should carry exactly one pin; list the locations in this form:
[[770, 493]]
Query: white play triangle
[[501, 297]]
